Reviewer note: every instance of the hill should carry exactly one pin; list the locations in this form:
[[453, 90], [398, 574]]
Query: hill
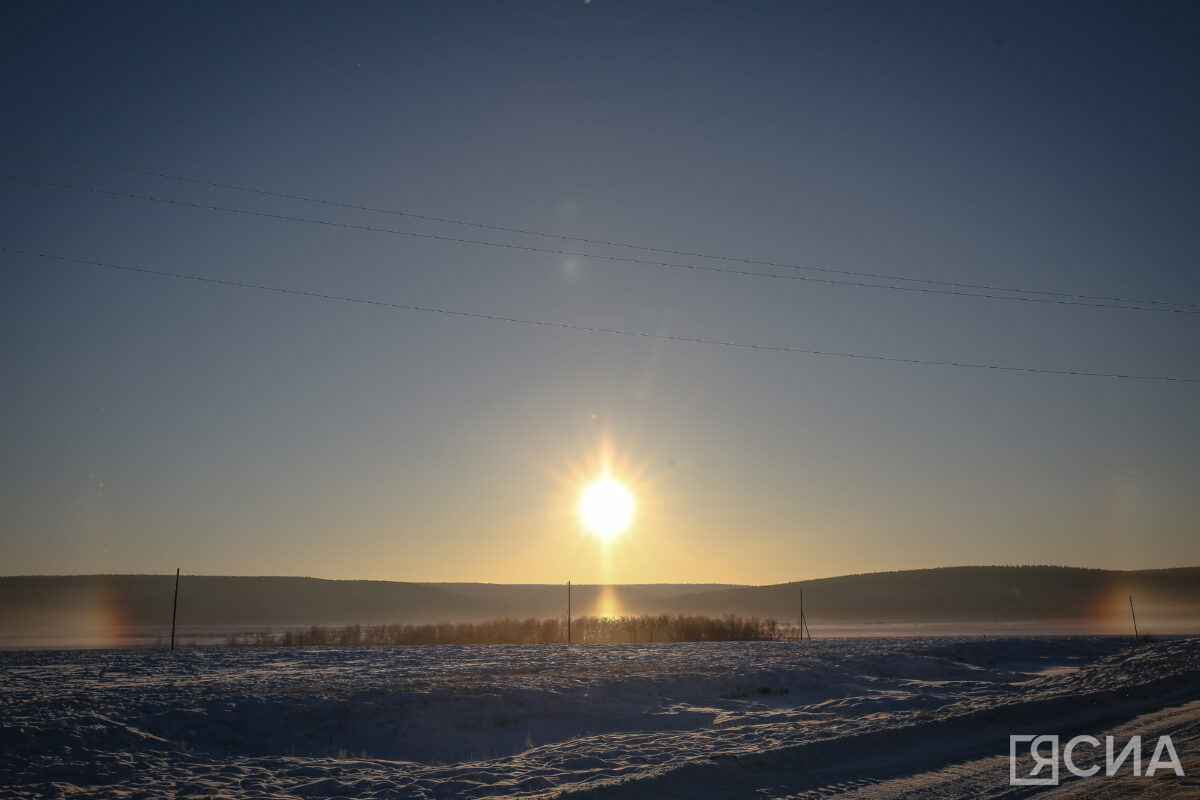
[[967, 594], [95, 601], [946, 595]]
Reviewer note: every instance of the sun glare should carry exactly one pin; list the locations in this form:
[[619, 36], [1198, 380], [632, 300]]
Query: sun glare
[[606, 508]]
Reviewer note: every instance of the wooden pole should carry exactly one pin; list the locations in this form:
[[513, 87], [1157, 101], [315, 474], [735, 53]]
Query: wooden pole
[[174, 608], [803, 619], [1134, 614], [568, 612]]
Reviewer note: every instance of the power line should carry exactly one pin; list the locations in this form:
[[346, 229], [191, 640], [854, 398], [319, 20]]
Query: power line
[[610, 243], [573, 253], [593, 328]]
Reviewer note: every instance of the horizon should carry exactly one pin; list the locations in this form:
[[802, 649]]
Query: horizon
[[102, 610], [584, 584]]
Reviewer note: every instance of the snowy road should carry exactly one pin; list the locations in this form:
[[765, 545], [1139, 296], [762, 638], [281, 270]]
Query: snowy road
[[852, 718], [987, 777]]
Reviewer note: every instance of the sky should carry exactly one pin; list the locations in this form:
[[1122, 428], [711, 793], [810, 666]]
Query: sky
[[151, 422]]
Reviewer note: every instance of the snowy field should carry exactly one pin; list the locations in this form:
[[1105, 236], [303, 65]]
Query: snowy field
[[859, 717]]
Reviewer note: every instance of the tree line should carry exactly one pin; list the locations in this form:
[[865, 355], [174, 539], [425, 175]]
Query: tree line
[[605, 630]]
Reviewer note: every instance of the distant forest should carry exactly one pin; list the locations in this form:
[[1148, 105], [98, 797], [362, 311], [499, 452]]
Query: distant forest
[[604, 630]]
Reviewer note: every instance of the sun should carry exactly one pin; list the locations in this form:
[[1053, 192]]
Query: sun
[[606, 508]]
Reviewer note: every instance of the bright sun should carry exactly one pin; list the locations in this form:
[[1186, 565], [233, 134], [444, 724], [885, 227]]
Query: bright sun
[[606, 508]]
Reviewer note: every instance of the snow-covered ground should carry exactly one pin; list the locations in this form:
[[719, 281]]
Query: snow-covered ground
[[832, 718]]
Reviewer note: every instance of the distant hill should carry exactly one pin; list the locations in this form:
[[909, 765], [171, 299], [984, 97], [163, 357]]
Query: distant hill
[[142, 600], [966, 594], [951, 594]]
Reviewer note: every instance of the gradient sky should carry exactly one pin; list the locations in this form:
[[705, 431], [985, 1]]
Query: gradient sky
[[151, 423]]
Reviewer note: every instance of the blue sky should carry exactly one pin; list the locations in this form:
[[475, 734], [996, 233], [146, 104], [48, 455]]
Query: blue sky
[[151, 422]]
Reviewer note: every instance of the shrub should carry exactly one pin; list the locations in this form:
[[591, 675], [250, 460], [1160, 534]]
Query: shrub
[[608, 630]]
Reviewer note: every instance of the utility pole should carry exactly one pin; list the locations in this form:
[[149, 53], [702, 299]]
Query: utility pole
[[803, 619], [1134, 614], [568, 612], [174, 608]]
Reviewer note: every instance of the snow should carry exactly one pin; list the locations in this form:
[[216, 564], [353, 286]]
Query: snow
[[767, 719]]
